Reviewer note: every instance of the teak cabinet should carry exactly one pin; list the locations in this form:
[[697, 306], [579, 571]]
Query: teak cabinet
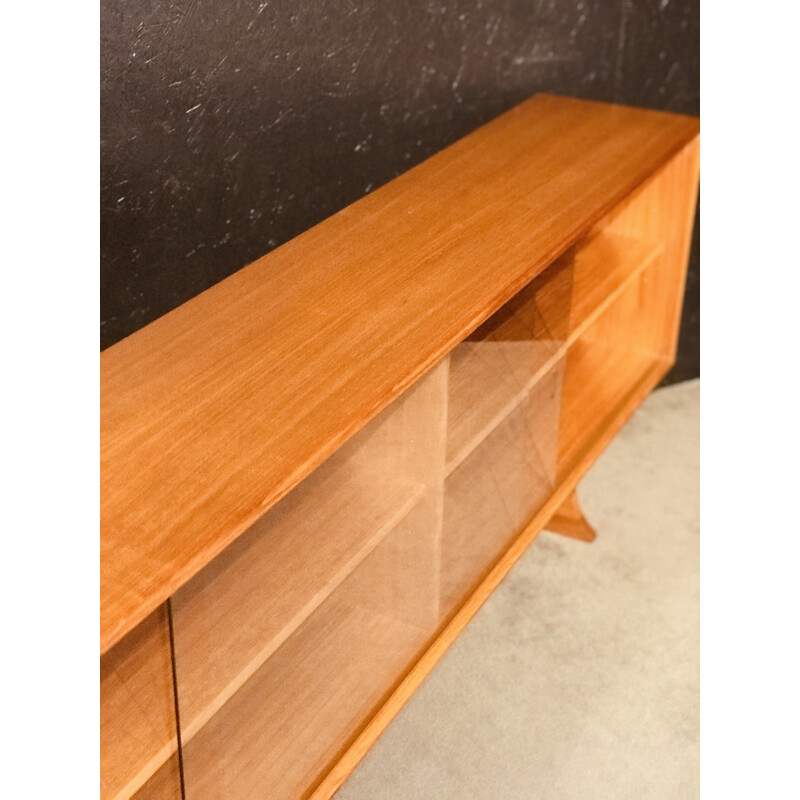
[[315, 472]]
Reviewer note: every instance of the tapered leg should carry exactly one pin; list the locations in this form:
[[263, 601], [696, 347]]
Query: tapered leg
[[569, 521]]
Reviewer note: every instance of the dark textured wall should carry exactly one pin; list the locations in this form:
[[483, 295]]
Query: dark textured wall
[[229, 127]]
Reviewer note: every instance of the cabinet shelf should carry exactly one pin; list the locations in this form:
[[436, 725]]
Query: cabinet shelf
[[583, 383], [313, 692], [237, 613]]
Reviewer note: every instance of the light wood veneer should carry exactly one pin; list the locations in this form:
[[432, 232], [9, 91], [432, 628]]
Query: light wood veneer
[[321, 467]]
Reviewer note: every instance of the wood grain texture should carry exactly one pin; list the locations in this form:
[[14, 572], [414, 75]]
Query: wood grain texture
[[662, 210], [289, 642], [137, 713], [213, 412]]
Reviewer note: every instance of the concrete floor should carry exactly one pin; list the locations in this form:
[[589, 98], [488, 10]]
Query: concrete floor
[[579, 678]]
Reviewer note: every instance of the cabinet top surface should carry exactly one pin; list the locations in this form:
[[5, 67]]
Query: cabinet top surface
[[210, 414]]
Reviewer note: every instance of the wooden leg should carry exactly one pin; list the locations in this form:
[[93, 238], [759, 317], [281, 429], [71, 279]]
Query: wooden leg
[[569, 521]]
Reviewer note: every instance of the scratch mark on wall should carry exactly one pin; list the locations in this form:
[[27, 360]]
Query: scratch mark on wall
[[357, 62], [623, 23], [544, 58]]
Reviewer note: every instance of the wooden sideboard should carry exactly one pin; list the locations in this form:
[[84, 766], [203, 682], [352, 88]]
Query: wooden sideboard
[[315, 472]]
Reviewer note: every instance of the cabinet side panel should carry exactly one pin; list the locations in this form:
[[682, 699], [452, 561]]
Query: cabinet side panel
[[662, 212], [137, 712]]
